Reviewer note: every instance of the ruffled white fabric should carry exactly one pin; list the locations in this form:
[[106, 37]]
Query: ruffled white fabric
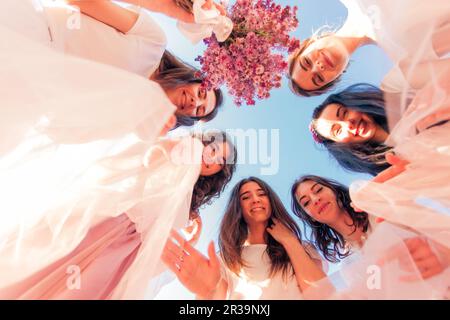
[[206, 23], [151, 183], [419, 197], [72, 100], [379, 271]]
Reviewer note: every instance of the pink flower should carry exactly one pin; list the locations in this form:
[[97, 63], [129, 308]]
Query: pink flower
[[247, 63]]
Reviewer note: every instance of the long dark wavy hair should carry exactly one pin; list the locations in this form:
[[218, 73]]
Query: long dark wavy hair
[[187, 5], [368, 157], [234, 232], [209, 187], [172, 73], [326, 239]]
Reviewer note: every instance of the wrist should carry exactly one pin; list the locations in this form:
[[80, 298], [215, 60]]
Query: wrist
[[209, 293], [289, 242]]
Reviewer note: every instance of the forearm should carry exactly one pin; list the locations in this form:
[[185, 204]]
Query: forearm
[[306, 270], [218, 293], [166, 7]]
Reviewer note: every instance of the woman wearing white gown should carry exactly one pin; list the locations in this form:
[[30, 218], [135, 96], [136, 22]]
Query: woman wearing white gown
[[352, 125], [103, 237], [130, 39], [262, 256], [369, 250], [411, 32]]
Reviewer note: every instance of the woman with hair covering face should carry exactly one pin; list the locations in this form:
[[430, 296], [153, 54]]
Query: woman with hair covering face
[[262, 256], [410, 32], [110, 225], [339, 231]]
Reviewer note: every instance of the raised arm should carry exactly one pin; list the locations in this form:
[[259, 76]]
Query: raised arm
[[307, 270], [107, 12], [196, 272], [123, 19]]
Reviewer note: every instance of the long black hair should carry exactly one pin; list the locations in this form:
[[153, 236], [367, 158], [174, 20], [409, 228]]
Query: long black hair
[[368, 157], [326, 239]]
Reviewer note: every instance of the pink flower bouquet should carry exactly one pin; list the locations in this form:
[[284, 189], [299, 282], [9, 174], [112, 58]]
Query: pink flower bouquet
[[247, 62]]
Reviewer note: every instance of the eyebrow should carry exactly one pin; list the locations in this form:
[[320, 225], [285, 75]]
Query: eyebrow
[[338, 111], [259, 189], [301, 64]]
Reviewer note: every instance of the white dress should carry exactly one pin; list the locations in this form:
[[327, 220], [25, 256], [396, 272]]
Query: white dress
[[406, 30], [150, 184], [254, 282], [378, 270], [138, 51], [72, 100], [419, 198]]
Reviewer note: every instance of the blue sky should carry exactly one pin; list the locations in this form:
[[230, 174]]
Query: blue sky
[[283, 111]]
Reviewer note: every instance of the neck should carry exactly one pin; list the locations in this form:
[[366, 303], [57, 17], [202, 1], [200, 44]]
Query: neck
[[353, 43], [345, 227], [380, 135], [257, 234]]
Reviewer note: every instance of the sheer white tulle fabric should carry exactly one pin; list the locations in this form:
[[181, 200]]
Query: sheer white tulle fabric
[[382, 269], [151, 183], [72, 100], [419, 197]]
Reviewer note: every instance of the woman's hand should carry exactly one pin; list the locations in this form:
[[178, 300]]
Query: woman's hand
[[425, 259], [398, 165], [281, 233], [433, 119], [194, 230], [210, 3], [168, 125], [197, 273]]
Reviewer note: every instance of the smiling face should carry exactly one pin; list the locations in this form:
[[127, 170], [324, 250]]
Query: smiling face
[[255, 203], [320, 63], [341, 124], [318, 201], [192, 100], [214, 157]]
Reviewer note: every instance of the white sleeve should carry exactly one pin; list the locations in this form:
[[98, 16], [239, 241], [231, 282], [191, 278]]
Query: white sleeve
[[138, 51]]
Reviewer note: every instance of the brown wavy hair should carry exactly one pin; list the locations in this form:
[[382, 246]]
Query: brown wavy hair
[[173, 73], [234, 232], [326, 239], [184, 4], [209, 187]]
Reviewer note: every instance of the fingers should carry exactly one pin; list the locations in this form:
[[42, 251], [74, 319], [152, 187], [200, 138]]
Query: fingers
[[388, 174], [168, 125], [173, 248], [355, 207], [207, 5], [379, 220], [413, 244], [221, 9], [398, 165], [433, 119], [394, 159], [213, 259]]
